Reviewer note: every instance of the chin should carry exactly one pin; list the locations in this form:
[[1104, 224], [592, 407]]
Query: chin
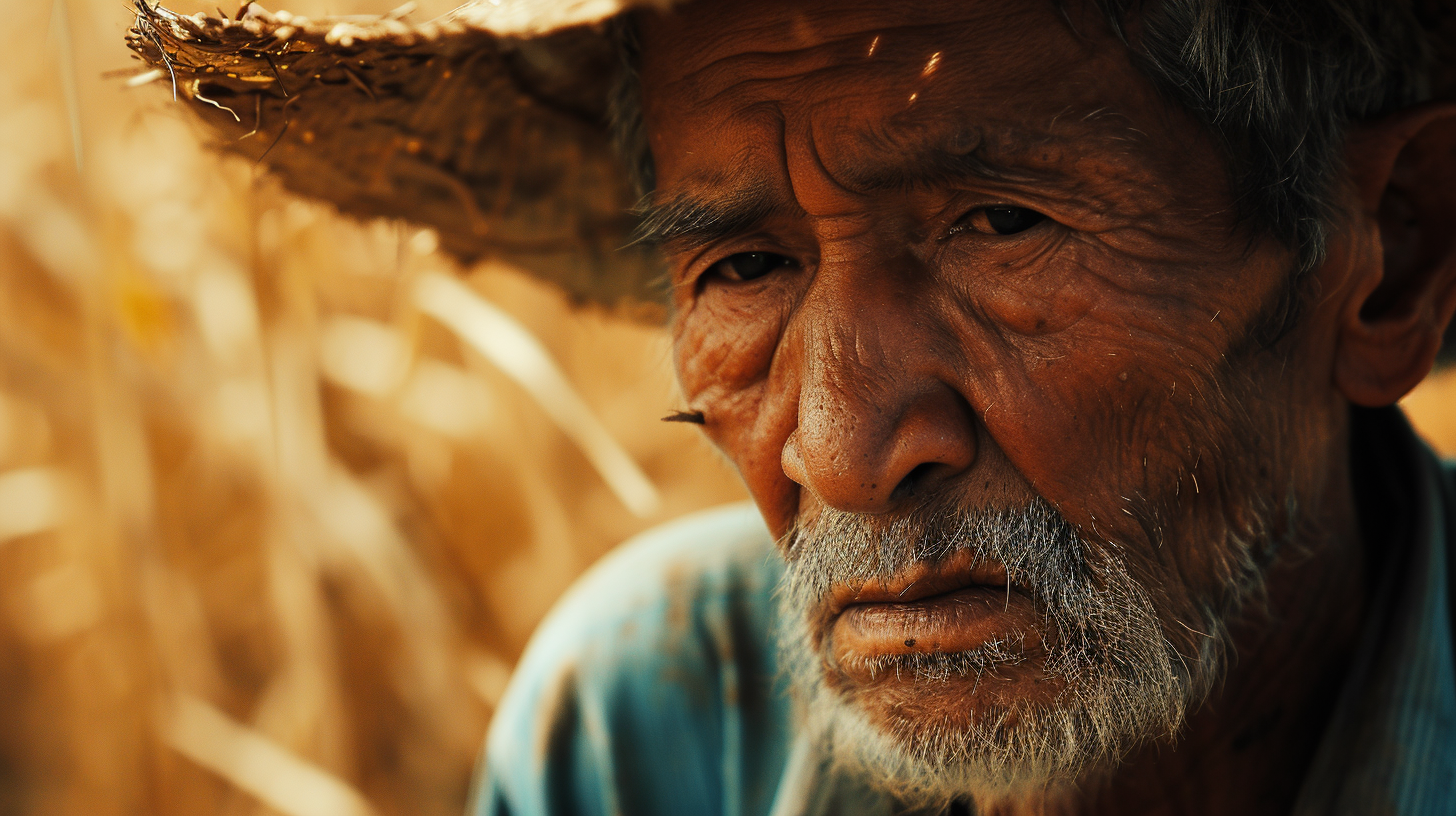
[[994, 654], [994, 724]]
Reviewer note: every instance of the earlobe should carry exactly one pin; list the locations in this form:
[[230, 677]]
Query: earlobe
[[1401, 250]]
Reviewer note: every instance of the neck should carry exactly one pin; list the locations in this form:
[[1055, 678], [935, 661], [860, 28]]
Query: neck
[[1247, 748]]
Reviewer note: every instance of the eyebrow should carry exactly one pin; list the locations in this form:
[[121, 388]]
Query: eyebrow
[[696, 220], [692, 219]]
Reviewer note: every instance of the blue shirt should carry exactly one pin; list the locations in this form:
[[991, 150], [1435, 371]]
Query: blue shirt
[[653, 688]]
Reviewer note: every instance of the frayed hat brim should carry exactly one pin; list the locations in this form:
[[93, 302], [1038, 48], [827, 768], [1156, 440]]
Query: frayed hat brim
[[498, 142]]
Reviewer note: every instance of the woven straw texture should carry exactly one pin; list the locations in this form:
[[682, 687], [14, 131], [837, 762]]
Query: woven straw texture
[[498, 143]]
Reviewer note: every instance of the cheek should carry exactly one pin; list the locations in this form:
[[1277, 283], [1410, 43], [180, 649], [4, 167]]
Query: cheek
[[724, 350], [725, 353], [1034, 304], [722, 346], [1100, 393], [1114, 433], [1104, 397]]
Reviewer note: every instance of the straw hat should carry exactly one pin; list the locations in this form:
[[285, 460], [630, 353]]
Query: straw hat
[[488, 125]]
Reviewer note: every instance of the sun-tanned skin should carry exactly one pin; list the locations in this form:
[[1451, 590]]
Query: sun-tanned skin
[[902, 347]]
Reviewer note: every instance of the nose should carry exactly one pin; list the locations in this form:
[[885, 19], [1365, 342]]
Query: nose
[[877, 423]]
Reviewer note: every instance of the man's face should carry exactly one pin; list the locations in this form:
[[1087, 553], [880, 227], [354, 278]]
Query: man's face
[[967, 305]]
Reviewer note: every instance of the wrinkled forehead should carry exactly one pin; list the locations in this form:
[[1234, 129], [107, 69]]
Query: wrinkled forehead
[[725, 81]]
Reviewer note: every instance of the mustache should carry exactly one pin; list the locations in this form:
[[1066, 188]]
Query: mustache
[[1098, 620], [1041, 552]]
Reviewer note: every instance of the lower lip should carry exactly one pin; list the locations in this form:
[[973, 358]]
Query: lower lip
[[958, 621]]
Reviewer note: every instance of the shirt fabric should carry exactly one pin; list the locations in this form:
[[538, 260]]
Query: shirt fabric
[[653, 688]]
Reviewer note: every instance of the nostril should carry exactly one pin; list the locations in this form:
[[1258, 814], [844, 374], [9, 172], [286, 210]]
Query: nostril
[[912, 480]]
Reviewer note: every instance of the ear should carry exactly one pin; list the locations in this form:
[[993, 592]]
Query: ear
[[1404, 289]]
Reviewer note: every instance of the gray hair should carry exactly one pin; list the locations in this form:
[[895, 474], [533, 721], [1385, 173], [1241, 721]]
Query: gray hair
[[1277, 82], [1125, 680]]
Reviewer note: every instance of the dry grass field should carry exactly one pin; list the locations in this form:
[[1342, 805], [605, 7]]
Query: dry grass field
[[282, 495]]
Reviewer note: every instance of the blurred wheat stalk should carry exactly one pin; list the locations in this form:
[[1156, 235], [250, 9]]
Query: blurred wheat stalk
[[280, 499], [280, 496]]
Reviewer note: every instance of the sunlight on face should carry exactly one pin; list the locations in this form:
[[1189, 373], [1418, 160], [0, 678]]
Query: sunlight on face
[[973, 321]]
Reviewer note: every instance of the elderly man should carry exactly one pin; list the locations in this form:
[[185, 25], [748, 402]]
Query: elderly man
[[1046, 340], [1054, 342]]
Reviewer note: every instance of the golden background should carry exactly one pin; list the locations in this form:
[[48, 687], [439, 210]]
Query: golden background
[[277, 512]]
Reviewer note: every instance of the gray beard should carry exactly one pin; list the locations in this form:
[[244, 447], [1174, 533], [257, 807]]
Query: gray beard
[[1124, 681]]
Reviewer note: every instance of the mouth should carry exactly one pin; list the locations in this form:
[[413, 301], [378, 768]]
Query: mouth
[[954, 606]]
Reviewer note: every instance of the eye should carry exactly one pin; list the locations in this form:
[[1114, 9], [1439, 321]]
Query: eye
[[747, 266], [998, 220]]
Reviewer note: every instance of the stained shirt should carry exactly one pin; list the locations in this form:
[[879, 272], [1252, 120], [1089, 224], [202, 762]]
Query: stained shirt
[[653, 688]]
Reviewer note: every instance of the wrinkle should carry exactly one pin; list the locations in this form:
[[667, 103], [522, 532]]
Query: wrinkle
[[801, 178], [832, 49]]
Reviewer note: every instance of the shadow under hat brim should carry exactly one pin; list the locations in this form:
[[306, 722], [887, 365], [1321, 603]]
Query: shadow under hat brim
[[489, 125]]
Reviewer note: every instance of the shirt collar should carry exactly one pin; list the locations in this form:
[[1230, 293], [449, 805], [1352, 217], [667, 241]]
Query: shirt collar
[[1390, 747]]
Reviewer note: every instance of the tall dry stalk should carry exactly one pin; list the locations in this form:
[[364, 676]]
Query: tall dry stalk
[[276, 518]]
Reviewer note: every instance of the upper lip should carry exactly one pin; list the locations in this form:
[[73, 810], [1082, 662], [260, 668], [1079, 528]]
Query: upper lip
[[921, 581]]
